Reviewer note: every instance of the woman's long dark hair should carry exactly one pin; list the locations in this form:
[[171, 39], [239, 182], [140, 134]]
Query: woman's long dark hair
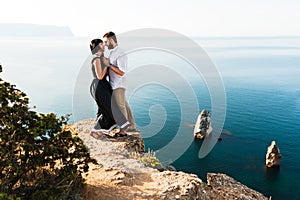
[[94, 45]]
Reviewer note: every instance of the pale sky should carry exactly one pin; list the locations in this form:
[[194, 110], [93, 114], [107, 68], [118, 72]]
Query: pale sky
[[190, 17]]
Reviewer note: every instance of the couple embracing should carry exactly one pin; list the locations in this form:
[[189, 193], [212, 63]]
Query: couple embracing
[[109, 86]]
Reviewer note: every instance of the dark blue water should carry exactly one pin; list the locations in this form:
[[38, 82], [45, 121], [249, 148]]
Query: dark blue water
[[254, 118], [261, 80]]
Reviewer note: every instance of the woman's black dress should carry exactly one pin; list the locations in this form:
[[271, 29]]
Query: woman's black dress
[[101, 92]]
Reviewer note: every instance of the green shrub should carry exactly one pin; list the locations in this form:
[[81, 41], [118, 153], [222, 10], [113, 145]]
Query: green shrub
[[38, 160], [148, 159], [8, 197]]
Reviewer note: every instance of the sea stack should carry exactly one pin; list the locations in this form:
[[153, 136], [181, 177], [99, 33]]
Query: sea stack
[[273, 155]]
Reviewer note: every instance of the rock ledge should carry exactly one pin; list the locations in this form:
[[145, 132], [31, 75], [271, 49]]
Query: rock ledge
[[118, 176]]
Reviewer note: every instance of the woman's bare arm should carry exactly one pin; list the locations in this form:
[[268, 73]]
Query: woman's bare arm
[[98, 67]]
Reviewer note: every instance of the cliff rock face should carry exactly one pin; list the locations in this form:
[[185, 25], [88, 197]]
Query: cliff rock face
[[118, 176], [225, 187], [273, 155]]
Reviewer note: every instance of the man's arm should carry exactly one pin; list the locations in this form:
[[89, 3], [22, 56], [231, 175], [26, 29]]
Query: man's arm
[[121, 66], [116, 70], [113, 67]]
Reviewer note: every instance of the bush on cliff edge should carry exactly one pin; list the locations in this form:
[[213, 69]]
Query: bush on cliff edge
[[38, 160]]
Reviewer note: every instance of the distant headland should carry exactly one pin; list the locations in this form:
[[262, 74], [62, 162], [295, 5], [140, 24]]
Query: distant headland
[[34, 30]]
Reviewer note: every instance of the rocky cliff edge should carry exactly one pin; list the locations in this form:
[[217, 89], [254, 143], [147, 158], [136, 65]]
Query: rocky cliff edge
[[119, 176]]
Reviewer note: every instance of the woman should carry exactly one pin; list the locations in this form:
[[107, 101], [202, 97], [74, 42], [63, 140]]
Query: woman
[[101, 91]]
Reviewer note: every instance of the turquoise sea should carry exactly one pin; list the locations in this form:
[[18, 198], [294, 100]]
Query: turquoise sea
[[262, 87]]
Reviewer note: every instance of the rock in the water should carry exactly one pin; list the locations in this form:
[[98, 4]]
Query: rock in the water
[[273, 155]]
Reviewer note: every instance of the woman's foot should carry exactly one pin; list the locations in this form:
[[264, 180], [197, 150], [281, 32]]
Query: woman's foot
[[95, 135]]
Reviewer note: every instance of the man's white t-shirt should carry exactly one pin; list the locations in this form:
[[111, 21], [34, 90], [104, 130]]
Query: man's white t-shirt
[[118, 58]]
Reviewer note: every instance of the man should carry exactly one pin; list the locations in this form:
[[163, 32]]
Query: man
[[117, 76]]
